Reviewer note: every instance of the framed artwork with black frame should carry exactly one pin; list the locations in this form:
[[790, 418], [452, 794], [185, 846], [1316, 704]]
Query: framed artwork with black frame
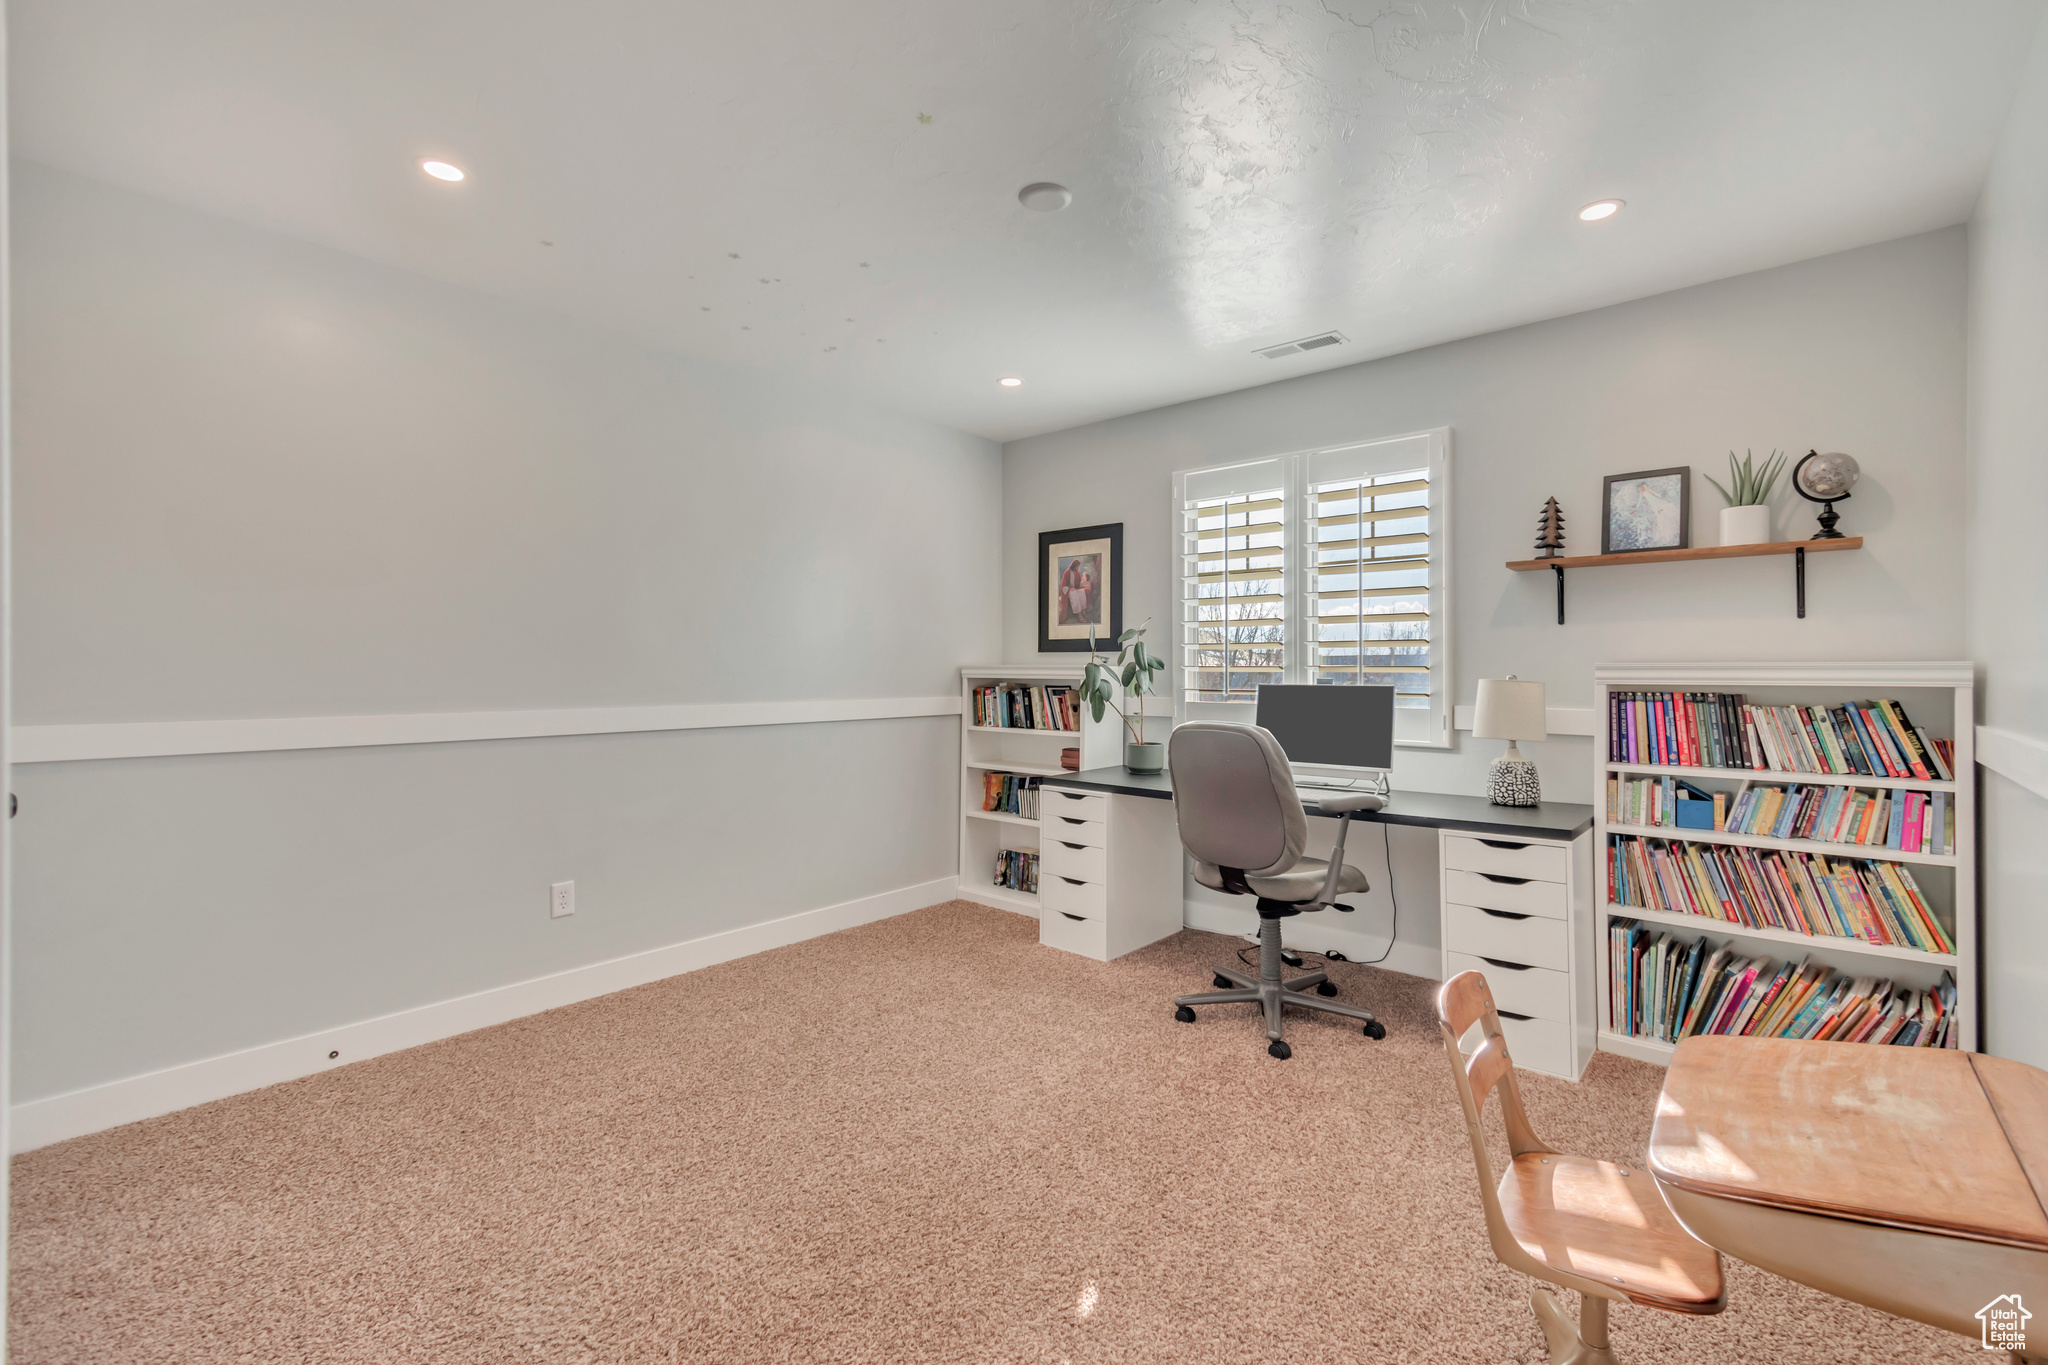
[[1647, 510], [1080, 587]]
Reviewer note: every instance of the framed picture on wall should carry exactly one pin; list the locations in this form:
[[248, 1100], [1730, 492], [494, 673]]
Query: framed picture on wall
[[1080, 587], [1649, 510]]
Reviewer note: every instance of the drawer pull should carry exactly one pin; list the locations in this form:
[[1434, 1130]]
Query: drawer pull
[[1507, 966], [1510, 1014], [1071, 881], [1502, 843], [1073, 819], [1075, 796], [1065, 844], [1078, 919], [1502, 914], [1511, 881]]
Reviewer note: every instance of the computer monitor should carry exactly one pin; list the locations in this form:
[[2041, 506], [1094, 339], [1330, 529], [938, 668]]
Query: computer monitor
[[1331, 727]]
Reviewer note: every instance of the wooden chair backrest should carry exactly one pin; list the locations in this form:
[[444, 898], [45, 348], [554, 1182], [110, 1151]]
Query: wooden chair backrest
[[1462, 1002]]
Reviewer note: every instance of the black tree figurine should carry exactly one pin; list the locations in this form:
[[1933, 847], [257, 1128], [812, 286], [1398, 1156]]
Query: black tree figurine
[[1550, 529]]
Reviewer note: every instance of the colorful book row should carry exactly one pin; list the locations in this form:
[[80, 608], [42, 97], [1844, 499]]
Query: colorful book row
[[1876, 817], [1910, 821], [1719, 730], [1017, 869], [1667, 988], [1801, 893], [1011, 793], [1022, 706]]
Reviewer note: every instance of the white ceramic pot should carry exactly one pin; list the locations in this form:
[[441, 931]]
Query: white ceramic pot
[[1746, 525]]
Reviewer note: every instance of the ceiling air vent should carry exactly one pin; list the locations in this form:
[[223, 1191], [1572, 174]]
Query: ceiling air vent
[[1315, 343]]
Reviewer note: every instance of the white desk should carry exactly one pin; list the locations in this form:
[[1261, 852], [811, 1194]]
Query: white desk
[[1517, 900]]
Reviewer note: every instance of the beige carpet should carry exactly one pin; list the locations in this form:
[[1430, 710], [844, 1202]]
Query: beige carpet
[[927, 1139]]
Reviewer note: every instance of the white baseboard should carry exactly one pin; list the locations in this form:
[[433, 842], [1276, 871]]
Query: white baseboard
[[1320, 934], [37, 1123]]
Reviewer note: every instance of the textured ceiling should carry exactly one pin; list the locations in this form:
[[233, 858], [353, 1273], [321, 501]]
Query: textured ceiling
[[829, 188]]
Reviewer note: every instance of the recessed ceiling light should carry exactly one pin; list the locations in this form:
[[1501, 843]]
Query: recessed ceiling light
[[1598, 209], [1011, 382], [441, 170], [1045, 197]]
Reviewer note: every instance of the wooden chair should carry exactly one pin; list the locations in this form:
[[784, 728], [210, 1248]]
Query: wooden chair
[[1582, 1224]]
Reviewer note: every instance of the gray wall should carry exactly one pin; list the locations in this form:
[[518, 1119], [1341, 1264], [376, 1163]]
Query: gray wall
[[1861, 351], [260, 478], [2008, 565]]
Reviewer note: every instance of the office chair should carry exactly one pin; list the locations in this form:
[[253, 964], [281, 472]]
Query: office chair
[[1583, 1224], [1241, 819]]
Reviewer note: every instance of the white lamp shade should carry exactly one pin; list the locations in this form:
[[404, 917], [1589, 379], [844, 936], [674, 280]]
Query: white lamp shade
[[1509, 709]]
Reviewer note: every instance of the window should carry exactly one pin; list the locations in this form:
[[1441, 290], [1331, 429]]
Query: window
[[1233, 581], [1326, 566]]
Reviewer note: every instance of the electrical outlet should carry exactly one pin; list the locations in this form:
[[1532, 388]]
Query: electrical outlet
[[562, 899]]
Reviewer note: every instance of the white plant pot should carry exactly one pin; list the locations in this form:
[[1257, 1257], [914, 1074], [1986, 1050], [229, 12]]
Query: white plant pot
[[1746, 525]]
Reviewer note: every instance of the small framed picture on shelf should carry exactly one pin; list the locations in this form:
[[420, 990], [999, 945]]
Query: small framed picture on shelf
[[1650, 510], [1080, 587]]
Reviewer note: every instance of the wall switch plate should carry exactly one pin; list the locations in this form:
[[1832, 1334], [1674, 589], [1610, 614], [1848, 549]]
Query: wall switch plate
[[562, 899]]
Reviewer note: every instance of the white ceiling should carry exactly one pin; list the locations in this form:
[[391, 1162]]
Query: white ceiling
[[828, 188]]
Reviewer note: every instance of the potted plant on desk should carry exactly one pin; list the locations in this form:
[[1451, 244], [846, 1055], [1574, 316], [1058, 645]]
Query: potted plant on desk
[[1130, 673]]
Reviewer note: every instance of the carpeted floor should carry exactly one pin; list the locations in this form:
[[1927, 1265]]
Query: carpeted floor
[[926, 1139]]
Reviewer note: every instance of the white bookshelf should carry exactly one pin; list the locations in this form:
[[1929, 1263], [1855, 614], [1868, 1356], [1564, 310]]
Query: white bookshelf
[[1031, 753], [1938, 696]]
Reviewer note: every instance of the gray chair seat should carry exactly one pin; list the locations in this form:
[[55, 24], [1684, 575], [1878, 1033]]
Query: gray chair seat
[[1302, 882]]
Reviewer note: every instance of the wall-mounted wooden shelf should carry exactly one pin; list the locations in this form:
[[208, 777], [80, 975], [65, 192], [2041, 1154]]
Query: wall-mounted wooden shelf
[[1796, 548]]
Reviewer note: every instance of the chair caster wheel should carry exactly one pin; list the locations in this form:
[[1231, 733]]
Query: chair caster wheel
[[1185, 1015], [1325, 988], [1375, 1030], [1280, 1050], [1222, 983]]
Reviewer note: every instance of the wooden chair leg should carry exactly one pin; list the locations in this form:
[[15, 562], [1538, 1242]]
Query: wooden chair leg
[[1584, 1343]]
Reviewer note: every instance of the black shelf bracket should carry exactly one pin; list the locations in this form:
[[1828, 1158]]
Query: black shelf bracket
[[1799, 578], [1559, 568]]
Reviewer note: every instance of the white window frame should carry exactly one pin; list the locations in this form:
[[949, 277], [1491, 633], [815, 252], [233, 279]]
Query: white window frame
[[1298, 576]]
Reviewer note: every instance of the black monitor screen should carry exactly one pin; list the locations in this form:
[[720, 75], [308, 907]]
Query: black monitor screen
[[1339, 727]]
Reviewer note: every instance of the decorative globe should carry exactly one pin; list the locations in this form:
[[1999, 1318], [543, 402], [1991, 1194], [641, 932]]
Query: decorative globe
[[1827, 476]]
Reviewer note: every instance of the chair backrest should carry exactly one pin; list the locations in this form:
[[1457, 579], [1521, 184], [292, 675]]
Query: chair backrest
[[1234, 797], [1463, 1001]]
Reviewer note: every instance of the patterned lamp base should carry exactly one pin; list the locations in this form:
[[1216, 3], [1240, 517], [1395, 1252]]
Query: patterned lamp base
[[1511, 781]]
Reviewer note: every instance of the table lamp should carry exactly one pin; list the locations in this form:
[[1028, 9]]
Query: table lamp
[[1512, 710]]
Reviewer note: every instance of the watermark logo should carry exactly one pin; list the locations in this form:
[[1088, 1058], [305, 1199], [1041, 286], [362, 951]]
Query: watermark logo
[[2005, 1323]]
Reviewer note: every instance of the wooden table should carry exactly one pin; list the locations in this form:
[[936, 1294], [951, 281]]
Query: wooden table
[[1908, 1179]]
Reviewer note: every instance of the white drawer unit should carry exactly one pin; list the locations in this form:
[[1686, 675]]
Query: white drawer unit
[[1520, 912], [1073, 894], [1508, 934], [1063, 856], [1109, 872], [1519, 988], [1074, 829], [1492, 891], [1506, 857], [1065, 801], [1075, 932], [1537, 1044]]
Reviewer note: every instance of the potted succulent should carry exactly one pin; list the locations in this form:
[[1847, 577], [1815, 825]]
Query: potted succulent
[[1746, 520], [1130, 673]]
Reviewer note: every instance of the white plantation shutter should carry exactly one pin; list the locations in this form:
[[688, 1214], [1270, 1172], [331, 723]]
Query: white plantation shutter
[[1234, 585], [1373, 566], [1351, 589]]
